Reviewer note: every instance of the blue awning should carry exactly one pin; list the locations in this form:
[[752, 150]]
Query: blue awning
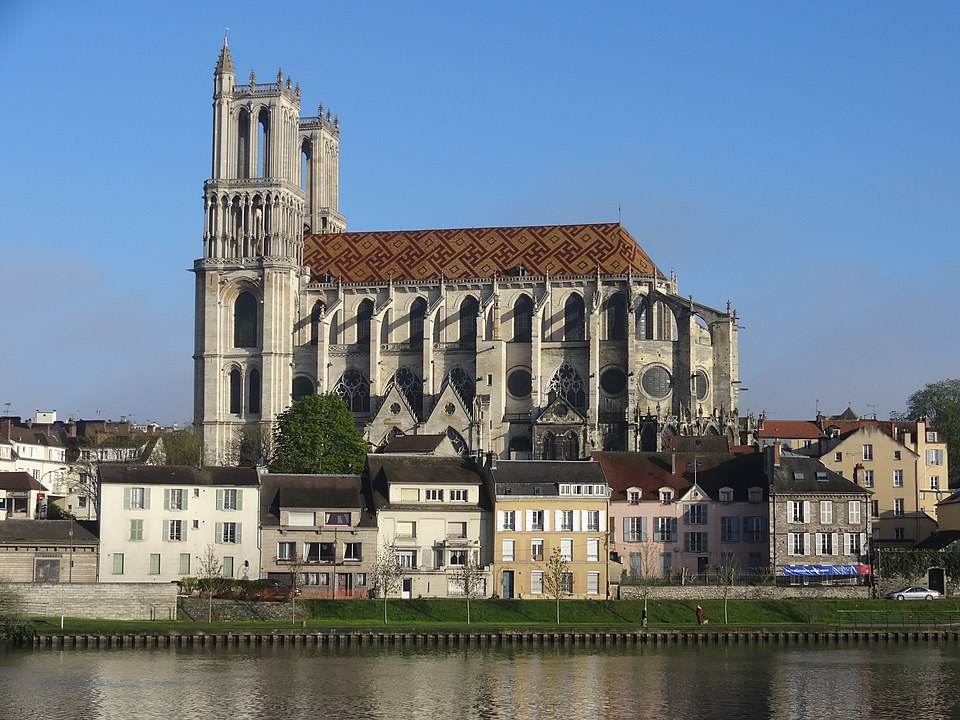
[[821, 570]]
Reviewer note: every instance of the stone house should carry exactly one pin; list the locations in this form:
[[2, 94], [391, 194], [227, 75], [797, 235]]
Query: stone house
[[326, 522], [158, 522], [436, 512], [686, 512], [48, 551], [819, 525], [542, 505]]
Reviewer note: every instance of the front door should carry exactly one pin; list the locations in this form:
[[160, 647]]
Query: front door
[[935, 580], [345, 584], [702, 564], [507, 584], [406, 590]]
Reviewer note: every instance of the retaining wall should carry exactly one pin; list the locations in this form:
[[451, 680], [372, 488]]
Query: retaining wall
[[113, 601], [745, 592], [197, 608]]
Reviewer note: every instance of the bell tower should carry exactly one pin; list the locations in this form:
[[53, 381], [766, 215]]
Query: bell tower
[[250, 274]]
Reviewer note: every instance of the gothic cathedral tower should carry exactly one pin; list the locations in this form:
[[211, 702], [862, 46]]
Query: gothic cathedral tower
[[273, 176]]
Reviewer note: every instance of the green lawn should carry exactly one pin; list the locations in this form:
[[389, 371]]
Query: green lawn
[[450, 615]]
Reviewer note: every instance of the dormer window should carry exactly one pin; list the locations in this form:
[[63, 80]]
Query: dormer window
[[798, 476], [337, 518], [633, 496], [726, 495], [666, 496], [821, 476], [755, 494]]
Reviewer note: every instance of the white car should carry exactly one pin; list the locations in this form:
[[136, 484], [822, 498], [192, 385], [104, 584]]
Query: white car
[[913, 593]]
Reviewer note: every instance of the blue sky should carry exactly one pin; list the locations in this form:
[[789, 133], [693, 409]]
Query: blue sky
[[802, 161]]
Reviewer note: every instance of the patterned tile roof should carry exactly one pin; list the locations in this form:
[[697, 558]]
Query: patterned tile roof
[[555, 250]]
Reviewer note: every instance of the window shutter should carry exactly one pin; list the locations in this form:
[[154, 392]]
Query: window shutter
[[706, 509], [239, 536], [806, 511], [427, 561], [500, 520], [643, 529], [529, 519], [219, 499], [790, 543], [146, 498], [184, 495], [126, 498], [837, 550], [166, 530], [558, 519], [626, 529], [239, 499], [519, 521], [863, 543], [546, 520], [686, 514], [183, 530], [166, 499], [576, 521], [806, 544], [603, 521], [219, 533]]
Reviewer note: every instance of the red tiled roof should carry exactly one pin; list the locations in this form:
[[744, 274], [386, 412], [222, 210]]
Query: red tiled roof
[[556, 250], [789, 429]]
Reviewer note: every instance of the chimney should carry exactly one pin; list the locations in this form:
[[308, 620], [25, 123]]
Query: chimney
[[673, 462], [776, 453]]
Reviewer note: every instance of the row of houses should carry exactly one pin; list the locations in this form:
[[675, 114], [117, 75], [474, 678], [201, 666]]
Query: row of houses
[[617, 517]]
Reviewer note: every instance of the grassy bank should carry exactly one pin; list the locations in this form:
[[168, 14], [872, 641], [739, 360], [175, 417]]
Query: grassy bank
[[444, 614]]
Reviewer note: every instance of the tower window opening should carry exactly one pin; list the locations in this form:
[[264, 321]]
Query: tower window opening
[[245, 321], [243, 144], [469, 309], [263, 144], [236, 392], [364, 316], [253, 400]]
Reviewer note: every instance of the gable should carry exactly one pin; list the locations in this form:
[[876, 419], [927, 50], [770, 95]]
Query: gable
[[560, 412]]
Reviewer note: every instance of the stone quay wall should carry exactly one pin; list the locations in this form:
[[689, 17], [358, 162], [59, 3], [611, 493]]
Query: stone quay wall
[[114, 601]]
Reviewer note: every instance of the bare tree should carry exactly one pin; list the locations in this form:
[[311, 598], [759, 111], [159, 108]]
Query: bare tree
[[295, 568], [649, 572], [727, 575], [210, 570], [555, 577], [387, 573], [469, 579]]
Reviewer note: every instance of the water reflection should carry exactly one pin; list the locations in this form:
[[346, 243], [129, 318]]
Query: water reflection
[[866, 681]]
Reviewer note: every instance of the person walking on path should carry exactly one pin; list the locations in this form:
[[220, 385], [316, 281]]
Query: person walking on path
[[699, 615]]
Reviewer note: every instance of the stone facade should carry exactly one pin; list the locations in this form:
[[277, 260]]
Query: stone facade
[[437, 337]]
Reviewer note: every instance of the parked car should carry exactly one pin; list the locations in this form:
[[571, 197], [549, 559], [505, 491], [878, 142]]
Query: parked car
[[915, 592]]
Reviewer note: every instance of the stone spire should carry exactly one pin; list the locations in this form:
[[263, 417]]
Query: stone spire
[[225, 61]]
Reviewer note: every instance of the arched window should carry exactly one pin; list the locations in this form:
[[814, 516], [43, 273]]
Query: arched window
[[548, 449], [573, 318], [364, 316], [567, 384], [617, 317], [245, 321], [243, 143], [642, 320], [236, 392], [468, 322], [410, 384], [418, 311], [263, 143], [571, 446], [463, 383], [253, 398], [335, 328], [306, 178], [302, 386], [315, 316], [354, 388], [523, 319]]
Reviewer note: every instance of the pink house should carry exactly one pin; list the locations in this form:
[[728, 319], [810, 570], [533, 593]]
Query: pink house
[[674, 513]]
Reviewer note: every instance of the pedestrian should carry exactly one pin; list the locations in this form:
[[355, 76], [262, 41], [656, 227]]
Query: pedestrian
[[699, 615], [643, 618]]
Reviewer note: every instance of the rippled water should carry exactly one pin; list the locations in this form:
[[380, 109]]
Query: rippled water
[[916, 682]]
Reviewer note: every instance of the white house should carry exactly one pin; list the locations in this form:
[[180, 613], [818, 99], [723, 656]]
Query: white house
[[34, 448], [159, 522]]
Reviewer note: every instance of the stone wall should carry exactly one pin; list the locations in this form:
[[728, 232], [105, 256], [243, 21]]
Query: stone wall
[[743, 592], [115, 601], [197, 608]]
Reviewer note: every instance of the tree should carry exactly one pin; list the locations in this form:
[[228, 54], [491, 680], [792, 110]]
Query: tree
[[317, 434], [727, 576], [255, 446], [295, 568], [469, 579], [649, 572], [182, 447], [555, 577], [940, 401], [210, 571], [387, 574]]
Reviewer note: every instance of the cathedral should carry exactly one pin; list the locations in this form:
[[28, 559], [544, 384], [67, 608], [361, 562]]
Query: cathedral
[[528, 342]]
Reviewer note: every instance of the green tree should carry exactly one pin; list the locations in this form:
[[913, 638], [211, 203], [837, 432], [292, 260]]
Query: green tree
[[940, 401], [182, 447], [317, 434]]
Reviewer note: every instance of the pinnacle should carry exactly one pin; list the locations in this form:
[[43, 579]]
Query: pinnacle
[[225, 60]]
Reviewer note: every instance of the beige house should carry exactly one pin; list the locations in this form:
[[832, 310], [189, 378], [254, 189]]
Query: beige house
[[158, 522], [435, 512], [546, 505], [47, 551], [325, 522]]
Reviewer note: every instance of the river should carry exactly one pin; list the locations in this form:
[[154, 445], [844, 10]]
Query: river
[[906, 682]]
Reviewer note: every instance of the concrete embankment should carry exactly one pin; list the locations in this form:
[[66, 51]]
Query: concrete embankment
[[485, 639]]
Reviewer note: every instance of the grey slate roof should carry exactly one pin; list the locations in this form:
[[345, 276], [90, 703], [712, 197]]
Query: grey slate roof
[[939, 540], [44, 532], [786, 480], [543, 477], [384, 470], [122, 473], [313, 491], [414, 443]]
